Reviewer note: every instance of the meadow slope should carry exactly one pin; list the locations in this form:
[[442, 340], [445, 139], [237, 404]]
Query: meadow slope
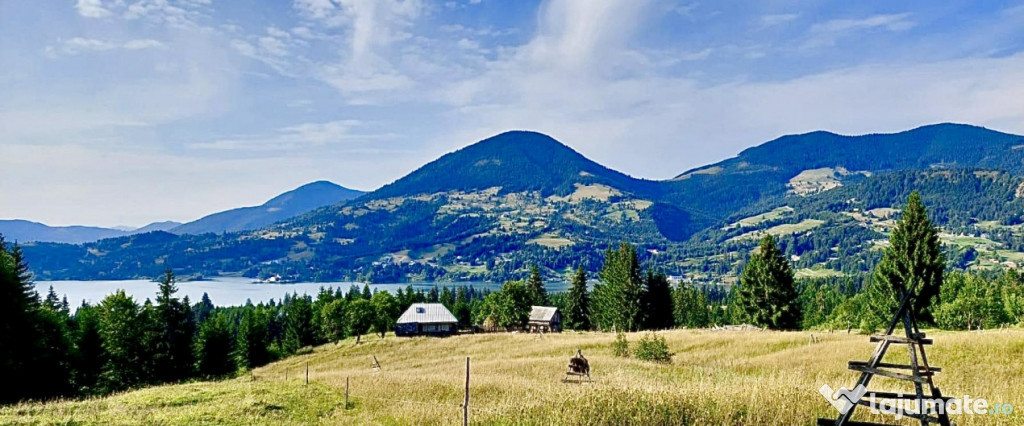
[[716, 377]]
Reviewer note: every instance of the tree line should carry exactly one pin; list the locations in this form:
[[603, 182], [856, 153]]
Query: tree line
[[119, 343]]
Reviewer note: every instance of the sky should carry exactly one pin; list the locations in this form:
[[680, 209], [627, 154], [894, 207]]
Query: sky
[[125, 112]]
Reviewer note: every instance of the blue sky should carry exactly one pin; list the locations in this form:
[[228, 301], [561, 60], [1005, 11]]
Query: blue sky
[[123, 112]]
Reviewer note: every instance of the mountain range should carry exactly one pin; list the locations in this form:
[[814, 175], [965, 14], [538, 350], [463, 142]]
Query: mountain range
[[287, 205], [489, 210]]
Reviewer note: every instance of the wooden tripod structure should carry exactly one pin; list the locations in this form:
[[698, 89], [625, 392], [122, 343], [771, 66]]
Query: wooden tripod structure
[[920, 372]]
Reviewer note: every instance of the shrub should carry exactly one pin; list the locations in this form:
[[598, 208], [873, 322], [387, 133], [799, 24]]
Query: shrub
[[653, 348], [620, 347]]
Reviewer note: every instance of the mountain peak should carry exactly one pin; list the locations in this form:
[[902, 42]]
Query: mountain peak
[[517, 160]]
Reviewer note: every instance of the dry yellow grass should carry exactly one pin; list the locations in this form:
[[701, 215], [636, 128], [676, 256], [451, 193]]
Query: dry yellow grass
[[717, 377]]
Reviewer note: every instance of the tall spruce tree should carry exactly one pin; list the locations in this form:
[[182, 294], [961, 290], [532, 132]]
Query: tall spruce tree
[[215, 347], [914, 258], [535, 285], [19, 343], [252, 340], [690, 307], [173, 355], [577, 304], [657, 301], [298, 330], [618, 298], [766, 295], [89, 362]]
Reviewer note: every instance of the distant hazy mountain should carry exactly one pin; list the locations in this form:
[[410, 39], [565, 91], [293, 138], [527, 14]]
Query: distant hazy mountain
[[156, 226], [25, 231], [290, 204]]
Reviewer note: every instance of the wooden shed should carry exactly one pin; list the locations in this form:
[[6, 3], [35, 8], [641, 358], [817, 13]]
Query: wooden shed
[[544, 319], [431, 319]]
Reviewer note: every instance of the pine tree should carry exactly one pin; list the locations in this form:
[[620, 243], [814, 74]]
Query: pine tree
[[173, 356], [215, 347], [914, 258], [618, 298], [535, 285], [298, 331], [577, 304], [19, 343], [367, 294], [690, 307], [251, 346], [657, 301], [766, 295], [89, 363]]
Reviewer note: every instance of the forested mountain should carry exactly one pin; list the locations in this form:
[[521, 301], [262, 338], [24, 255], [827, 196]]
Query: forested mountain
[[488, 210], [290, 204]]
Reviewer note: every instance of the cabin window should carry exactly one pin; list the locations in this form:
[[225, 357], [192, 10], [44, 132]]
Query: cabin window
[[421, 311]]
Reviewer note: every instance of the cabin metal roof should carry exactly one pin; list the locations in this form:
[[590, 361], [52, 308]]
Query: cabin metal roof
[[427, 313], [543, 313]]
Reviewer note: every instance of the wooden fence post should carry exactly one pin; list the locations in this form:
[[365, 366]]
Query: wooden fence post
[[307, 372], [346, 393], [465, 402]]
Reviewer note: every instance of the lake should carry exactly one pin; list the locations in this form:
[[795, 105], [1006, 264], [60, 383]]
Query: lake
[[230, 291]]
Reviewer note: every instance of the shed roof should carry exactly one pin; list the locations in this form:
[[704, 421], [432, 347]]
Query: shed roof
[[426, 313], [543, 313]]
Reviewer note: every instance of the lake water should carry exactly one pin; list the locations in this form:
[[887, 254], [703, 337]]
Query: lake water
[[229, 291]]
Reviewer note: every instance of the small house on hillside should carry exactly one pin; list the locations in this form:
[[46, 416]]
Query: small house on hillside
[[431, 319], [544, 319]]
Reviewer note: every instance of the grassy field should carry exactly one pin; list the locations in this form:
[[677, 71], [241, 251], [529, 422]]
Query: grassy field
[[717, 377]]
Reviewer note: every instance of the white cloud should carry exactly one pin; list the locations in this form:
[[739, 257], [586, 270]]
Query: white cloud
[[144, 44], [827, 33], [342, 134], [78, 45], [91, 8]]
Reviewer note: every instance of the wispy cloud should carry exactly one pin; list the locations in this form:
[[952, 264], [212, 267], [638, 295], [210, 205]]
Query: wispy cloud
[[829, 32], [342, 133], [79, 45], [91, 8]]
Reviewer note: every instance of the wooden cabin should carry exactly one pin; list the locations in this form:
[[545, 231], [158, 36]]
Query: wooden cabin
[[544, 319], [426, 319]]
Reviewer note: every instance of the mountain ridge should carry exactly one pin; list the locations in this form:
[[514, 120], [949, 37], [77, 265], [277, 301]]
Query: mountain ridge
[[488, 210]]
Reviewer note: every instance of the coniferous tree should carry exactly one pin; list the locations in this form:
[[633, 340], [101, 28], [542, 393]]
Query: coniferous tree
[[658, 301], [577, 304], [367, 294], [19, 305], [89, 344], [298, 315], [173, 355], [767, 296], [215, 347], [251, 348], [690, 307], [618, 297], [914, 258], [535, 285]]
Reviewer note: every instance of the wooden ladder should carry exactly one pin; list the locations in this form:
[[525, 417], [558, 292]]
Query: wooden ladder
[[918, 372]]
